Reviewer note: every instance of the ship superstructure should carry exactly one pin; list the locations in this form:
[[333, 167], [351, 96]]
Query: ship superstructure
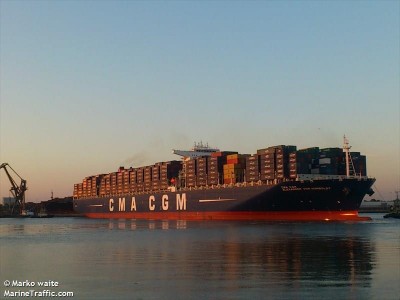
[[198, 150]]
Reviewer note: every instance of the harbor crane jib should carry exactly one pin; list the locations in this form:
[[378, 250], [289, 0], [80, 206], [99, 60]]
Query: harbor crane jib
[[17, 190]]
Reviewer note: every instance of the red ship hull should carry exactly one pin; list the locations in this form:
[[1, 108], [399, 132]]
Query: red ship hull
[[236, 215]]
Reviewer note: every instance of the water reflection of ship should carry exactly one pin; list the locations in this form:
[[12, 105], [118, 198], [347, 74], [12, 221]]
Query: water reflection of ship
[[277, 257], [325, 261], [151, 224]]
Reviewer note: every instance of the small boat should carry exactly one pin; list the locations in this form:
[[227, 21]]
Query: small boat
[[392, 215], [395, 209]]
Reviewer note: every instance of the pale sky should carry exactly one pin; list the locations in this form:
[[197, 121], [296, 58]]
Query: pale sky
[[87, 86]]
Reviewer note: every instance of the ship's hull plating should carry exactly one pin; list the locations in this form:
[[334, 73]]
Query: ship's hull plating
[[294, 200]]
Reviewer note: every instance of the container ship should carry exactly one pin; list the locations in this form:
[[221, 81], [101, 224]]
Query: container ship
[[275, 183]]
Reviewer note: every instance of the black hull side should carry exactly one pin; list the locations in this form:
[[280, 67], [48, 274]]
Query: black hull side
[[245, 202]]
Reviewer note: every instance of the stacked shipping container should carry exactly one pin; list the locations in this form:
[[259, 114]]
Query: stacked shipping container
[[124, 181], [274, 162], [214, 169], [360, 163], [328, 161], [252, 168], [207, 170], [301, 161], [234, 168], [331, 161], [190, 172], [201, 178], [278, 162], [132, 180]]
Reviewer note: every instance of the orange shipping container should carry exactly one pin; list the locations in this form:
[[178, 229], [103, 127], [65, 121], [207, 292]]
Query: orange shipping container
[[229, 180], [232, 156]]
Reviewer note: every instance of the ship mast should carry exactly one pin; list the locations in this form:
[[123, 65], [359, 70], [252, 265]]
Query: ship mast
[[346, 150]]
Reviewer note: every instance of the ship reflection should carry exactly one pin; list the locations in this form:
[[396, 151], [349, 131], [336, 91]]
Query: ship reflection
[[326, 261], [264, 254], [145, 224]]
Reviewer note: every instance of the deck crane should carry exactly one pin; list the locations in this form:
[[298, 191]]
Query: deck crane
[[18, 191]]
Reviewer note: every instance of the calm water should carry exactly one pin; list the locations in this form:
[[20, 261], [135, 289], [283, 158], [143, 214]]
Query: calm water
[[105, 259]]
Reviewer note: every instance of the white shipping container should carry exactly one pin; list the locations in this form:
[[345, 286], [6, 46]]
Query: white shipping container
[[325, 161], [314, 171]]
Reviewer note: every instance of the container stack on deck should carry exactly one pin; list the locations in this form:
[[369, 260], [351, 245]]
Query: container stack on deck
[[169, 173], [267, 163], [234, 168], [360, 163], [120, 180], [282, 160], [156, 183], [331, 161], [201, 170], [132, 180], [274, 162], [126, 185], [147, 178], [302, 161], [208, 170], [277, 163], [113, 183], [327, 161], [215, 164], [108, 184], [190, 172], [252, 168], [139, 179]]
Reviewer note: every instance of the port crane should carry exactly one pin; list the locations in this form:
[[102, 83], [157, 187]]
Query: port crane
[[18, 191]]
